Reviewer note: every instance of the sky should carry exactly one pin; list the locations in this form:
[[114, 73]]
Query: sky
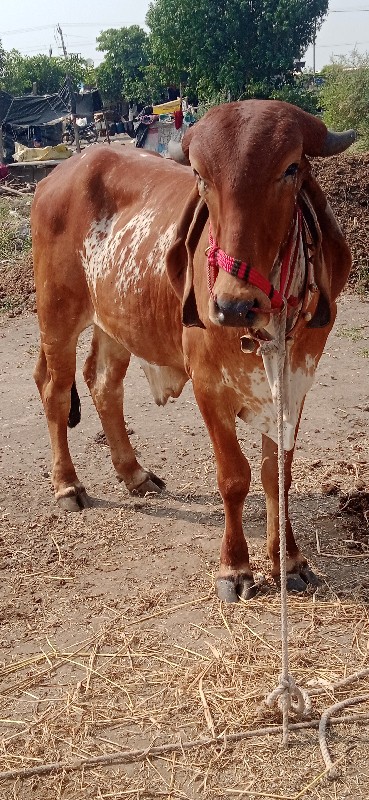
[[31, 27]]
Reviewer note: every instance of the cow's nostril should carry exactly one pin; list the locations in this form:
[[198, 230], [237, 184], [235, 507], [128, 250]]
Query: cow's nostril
[[237, 309], [251, 314]]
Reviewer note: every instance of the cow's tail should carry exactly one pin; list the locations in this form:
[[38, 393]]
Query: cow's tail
[[75, 407]]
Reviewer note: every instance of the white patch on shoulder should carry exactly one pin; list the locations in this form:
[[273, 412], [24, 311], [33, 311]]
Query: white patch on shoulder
[[131, 267], [164, 382], [108, 244], [156, 258], [95, 255]]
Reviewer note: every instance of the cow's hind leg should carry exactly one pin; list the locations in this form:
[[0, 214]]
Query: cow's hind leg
[[54, 375], [298, 572], [104, 371]]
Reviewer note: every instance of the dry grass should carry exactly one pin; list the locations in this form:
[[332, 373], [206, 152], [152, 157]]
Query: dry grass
[[115, 640], [159, 672], [132, 685], [163, 673]]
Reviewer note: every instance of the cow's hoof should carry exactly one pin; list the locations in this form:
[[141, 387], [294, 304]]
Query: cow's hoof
[[309, 576], [246, 587], [232, 588], [226, 590], [295, 582], [299, 581], [74, 502], [151, 484]]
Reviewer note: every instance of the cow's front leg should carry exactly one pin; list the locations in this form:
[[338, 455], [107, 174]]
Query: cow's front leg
[[298, 572], [235, 578]]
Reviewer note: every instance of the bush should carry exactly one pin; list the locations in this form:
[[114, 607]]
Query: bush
[[345, 95], [295, 92]]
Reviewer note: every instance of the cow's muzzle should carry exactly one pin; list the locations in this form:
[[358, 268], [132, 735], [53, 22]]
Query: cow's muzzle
[[237, 313]]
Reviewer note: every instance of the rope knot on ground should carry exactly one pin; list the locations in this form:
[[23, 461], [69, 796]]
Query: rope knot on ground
[[288, 694]]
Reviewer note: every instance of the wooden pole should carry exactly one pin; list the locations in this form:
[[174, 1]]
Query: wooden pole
[[71, 92]]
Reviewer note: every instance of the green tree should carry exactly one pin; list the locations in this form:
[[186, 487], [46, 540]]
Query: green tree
[[222, 46], [124, 71], [21, 72], [345, 95], [2, 61]]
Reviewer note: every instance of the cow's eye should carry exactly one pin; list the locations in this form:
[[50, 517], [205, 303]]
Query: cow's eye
[[202, 185], [291, 170]]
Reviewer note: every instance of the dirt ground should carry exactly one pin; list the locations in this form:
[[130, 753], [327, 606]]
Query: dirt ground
[[111, 636]]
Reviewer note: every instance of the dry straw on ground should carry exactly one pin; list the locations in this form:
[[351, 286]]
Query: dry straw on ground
[[164, 678], [164, 671], [129, 688]]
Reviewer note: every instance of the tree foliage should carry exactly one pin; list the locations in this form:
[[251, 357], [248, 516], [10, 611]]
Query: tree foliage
[[217, 50], [2, 61], [345, 95], [20, 72], [221, 46], [124, 71]]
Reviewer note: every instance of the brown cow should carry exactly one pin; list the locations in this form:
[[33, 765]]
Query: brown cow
[[119, 243]]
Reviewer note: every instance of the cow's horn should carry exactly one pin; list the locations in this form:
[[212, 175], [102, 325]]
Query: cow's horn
[[176, 153], [337, 142]]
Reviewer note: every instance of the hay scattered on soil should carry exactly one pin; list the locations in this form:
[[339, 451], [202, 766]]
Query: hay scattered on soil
[[132, 685]]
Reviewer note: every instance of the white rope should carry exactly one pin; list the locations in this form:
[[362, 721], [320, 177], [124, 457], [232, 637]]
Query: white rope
[[287, 694], [134, 756], [333, 772]]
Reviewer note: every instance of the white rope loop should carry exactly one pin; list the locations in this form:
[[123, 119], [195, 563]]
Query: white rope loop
[[288, 692], [333, 772]]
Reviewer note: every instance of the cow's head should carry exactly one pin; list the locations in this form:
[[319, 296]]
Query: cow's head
[[249, 162]]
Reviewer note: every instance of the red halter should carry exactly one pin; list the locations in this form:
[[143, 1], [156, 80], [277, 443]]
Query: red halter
[[218, 259]]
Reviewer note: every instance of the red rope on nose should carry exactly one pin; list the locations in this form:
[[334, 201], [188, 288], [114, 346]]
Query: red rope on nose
[[218, 259]]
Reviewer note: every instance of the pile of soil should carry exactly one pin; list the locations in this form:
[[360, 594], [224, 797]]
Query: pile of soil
[[17, 288], [345, 181]]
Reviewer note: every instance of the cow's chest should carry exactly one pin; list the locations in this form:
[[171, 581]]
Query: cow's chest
[[253, 380]]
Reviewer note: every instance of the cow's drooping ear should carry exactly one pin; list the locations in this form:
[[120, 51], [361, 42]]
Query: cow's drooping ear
[[310, 199], [332, 262], [179, 258]]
